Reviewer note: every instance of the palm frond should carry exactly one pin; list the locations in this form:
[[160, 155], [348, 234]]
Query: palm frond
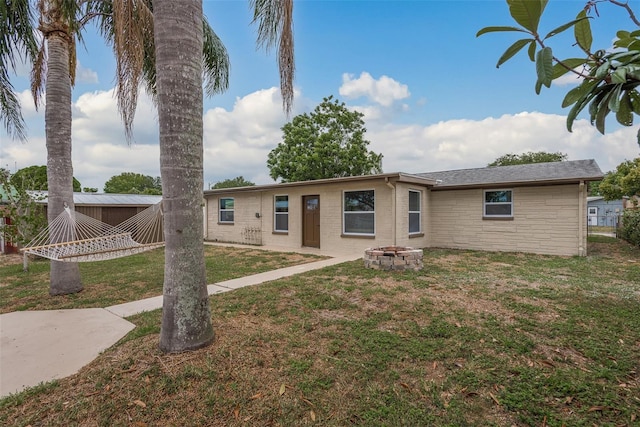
[[39, 74], [132, 29], [275, 27], [17, 40], [10, 109], [215, 61]]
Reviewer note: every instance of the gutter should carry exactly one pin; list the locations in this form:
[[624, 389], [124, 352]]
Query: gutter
[[581, 218]]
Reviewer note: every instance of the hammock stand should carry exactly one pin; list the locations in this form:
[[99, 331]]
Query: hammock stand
[[75, 237]]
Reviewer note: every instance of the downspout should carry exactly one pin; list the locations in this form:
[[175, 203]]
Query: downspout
[[262, 209], [393, 209], [205, 220], [581, 218]]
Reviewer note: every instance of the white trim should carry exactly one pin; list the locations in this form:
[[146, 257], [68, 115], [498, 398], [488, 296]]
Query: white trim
[[373, 212], [419, 212], [275, 213], [220, 210], [485, 203]]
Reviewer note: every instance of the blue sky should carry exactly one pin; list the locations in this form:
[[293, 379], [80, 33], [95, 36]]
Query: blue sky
[[431, 94]]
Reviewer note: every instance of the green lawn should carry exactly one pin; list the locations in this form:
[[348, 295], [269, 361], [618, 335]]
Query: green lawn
[[475, 339]]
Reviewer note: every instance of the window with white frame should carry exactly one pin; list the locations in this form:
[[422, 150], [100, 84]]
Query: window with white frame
[[414, 212], [359, 213], [226, 210], [498, 204], [281, 213]]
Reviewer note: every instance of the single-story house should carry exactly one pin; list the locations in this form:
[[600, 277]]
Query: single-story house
[[109, 208], [537, 208], [604, 213]]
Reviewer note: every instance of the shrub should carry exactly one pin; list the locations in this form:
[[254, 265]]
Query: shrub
[[630, 228]]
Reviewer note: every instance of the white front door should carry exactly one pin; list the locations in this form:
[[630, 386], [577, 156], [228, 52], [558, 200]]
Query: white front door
[[593, 215]]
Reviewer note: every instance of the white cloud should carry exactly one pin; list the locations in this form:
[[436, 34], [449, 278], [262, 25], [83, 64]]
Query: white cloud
[[85, 75], [569, 79], [237, 141], [459, 144], [384, 91]]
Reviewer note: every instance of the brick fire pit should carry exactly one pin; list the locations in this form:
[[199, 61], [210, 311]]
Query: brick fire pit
[[398, 258]]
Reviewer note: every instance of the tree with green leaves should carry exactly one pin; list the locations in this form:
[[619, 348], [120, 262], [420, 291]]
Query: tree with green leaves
[[624, 181], [35, 178], [27, 217], [238, 181], [326, 143], [610, 78], [133, 183], [186, 318], [529, 157]]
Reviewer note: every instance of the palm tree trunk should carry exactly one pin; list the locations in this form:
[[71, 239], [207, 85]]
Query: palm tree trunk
[[65, 276], [186, 318]]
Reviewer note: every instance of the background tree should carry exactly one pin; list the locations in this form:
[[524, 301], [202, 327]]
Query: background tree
[[133, 183], [27, 217], [529, 157], [326, 143], [186, 320], [238, 181], [609, 77], [35, 178], [594, 188], [624, 181], [89, 190]]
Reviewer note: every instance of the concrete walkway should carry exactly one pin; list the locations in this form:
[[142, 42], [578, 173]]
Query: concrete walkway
[[40, 346]]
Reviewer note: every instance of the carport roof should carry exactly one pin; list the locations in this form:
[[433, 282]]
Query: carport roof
[[105, 199]]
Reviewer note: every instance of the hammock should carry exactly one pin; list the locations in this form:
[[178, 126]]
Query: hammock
[[75, 237]]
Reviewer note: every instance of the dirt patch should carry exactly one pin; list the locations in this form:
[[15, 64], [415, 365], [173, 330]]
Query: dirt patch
[[10, 259]]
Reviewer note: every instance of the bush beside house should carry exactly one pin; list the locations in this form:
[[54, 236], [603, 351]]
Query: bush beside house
[[630, 228]]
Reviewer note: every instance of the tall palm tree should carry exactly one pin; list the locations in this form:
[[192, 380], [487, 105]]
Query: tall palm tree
[[128, 26], [54, 71], [186, 322]]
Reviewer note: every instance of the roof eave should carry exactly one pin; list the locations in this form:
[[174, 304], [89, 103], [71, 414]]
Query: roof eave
[[528, 183], [395, 176]]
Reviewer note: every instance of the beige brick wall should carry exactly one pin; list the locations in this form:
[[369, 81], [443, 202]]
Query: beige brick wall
[[246, 228], [402, 220], [331, 197], [546, 220]]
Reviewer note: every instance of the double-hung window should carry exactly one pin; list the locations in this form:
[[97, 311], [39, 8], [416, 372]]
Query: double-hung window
[[226, 210], [414, 212], [359, 213], [498, 204], [281, 213]]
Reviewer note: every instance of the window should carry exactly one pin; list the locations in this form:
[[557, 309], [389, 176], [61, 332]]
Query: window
[[226, 210], [281, 213], [359, 212], [498, 204], [414, 212]]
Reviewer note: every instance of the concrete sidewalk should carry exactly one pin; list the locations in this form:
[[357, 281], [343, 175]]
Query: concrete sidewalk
[[40, 346]]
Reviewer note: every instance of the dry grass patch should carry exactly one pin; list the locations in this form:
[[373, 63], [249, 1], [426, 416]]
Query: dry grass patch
[[490, 340]]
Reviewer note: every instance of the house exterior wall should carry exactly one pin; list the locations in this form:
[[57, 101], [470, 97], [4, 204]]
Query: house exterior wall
[[607, 212], [389, 218], [546, 220], [403, 237]]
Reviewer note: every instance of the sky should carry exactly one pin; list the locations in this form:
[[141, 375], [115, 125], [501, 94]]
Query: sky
[[429, 89]]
